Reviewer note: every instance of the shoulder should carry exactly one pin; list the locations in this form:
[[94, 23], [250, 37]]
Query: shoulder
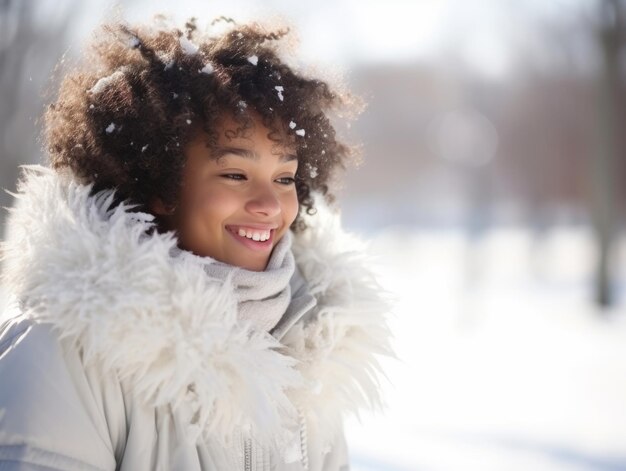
[[47, 390], [32, 351], [24, 341]]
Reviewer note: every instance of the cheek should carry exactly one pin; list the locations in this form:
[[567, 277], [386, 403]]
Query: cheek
[[207, 207], [202, 203], [207, 198]]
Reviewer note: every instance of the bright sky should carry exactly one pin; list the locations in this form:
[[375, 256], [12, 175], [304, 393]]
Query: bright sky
[[340, 32]]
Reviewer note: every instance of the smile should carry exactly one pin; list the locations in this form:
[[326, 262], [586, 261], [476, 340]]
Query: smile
[[255, 239], [254, 234]]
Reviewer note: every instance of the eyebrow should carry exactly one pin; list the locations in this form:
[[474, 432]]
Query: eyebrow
[[220, 152]]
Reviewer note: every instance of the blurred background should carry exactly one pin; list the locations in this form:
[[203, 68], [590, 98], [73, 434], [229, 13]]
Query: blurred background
[[491, 192]]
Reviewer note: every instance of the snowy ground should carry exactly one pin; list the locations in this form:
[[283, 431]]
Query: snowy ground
[[506, 365]]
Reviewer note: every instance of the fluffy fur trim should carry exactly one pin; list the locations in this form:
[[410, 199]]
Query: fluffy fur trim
[[339, 350], [163, 326]]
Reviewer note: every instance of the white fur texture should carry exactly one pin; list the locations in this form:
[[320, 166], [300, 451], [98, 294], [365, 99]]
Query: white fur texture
[[172, 333]]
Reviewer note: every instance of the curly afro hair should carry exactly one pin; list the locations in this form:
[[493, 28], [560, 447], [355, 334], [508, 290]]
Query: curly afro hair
[[125, 115]]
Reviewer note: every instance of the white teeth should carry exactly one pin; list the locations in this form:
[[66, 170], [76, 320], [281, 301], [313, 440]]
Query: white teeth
[[256, 236]]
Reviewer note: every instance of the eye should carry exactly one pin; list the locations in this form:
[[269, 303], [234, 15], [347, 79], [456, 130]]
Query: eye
[[233, 176], [286, 180]]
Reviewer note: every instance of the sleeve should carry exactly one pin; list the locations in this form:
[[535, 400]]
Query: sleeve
[[328, 453], [338, 458], [51, 415]]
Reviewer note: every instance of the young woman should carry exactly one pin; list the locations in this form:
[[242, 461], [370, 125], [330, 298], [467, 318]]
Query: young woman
[[184, 297]]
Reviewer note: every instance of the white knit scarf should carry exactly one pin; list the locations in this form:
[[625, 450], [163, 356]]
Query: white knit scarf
[[262, 296]]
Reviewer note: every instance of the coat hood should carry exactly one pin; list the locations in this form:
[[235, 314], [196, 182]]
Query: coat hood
[[171, 333]]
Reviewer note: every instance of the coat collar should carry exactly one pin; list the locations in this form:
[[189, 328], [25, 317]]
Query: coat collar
[[172, 333]]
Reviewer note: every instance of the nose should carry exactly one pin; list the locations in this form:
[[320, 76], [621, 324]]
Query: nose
[[263, 201]]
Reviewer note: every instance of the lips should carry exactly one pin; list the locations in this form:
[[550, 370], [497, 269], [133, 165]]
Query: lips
[[256, 234], [253, 227], [250, 233]]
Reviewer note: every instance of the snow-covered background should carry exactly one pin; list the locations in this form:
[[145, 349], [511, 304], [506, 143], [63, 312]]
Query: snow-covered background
[[480, 126], [505, 363]]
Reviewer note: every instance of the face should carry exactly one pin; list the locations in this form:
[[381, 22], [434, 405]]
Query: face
[[238, 199]]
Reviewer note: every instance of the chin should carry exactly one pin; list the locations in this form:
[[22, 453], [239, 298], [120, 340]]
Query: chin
[[258, 267], [252, 265]]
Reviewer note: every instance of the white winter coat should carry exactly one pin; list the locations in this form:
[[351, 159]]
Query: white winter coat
[[120, 356]]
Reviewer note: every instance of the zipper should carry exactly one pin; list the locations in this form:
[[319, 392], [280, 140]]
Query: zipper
[[303, 441], [247, 446], [247, 458]]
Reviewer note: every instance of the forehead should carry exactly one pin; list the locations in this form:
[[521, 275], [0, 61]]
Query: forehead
[[248, 138], [251, 133]]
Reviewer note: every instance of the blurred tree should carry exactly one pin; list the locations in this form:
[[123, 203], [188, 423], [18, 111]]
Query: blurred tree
[[610, 33], [33, 35]]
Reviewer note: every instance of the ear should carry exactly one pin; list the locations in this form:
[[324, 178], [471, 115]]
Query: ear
[[158, 207]]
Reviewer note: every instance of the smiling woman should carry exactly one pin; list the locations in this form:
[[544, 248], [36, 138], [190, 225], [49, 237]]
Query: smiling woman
[[184, 296], [238, 196]]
